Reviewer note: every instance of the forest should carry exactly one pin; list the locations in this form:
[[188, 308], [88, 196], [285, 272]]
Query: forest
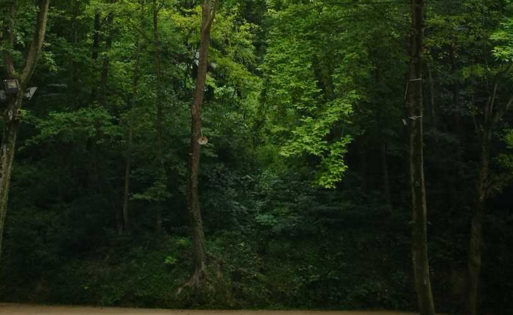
[[258, 154]]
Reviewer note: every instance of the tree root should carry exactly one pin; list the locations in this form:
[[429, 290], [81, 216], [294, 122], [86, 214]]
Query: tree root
[[201, 279], [197, 280]]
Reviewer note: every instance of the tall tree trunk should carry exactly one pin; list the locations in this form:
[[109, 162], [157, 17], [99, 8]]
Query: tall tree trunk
[[455, 92], [14, 102], [199, 257], [432, 102], [492, 113], [72, 90], [419, 208], [363, 168], [458, 127], [96, 48], [384, 170], [128, 171], [106, 60], [158, 101], [383, 147], [102, 98], [128, 165], [7, 156], [93, 180], [475, 251]]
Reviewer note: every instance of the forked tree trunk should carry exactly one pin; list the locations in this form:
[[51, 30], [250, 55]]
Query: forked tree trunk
[[14, 102], [492, 113], [419, 208], [199, 256]]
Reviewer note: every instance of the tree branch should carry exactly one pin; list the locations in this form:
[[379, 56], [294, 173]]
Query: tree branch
[[140, 31], [211, 13], [37, 44], [502, 110], [491, 103]]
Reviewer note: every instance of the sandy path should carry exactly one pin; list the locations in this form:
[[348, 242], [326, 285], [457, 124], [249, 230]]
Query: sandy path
[[15, 309]]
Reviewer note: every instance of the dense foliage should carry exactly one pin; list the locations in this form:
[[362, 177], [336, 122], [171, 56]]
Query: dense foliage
[[304, 182]]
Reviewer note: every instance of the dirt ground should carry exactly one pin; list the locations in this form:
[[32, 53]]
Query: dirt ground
[[15, 309]]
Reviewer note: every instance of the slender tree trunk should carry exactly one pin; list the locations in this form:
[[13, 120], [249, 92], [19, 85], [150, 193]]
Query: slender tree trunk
[[432, 98], [102, 98], [14, 102], [383, 147], [158, 101], [72, 90], [106, 60], [128, 170], [455, 91], [199, 256], [458, 126], [384, 170], [492, 113], [419, 208], [96, 48], [362, 155], [128, 165], [475, 251], [93, 180]]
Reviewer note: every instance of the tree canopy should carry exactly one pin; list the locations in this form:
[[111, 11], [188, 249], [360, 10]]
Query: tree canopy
[[303, 112]]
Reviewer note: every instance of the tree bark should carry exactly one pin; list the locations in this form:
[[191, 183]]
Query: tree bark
[[419, 207], [199, 256], [14, 102]]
